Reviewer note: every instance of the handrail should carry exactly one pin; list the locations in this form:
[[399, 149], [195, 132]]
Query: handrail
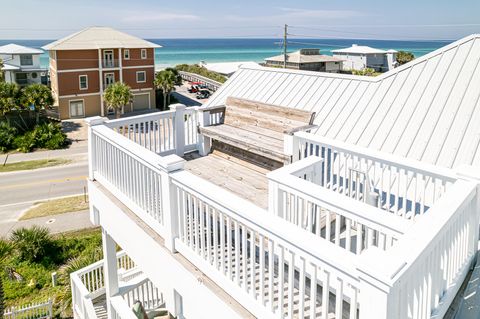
[[386, 158], [139, 118], [147, 157], [259, 219]]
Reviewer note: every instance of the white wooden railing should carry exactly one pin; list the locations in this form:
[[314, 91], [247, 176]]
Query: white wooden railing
[[89, 283], [421, 274], [263, 261], [269, 265], [40, 310], [398, 185], [295, 195]]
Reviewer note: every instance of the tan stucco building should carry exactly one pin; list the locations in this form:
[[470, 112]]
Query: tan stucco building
[[84, 64]]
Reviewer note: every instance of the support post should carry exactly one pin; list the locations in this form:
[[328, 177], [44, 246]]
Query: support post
[[204, 143], [179, 128], [290, 147], [378, 290], [92, 121], [110, 269], [100, 77], [275, 206], [170, 207]]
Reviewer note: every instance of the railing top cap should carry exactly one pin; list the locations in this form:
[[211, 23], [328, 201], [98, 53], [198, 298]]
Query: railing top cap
[[95, 120], [177, 106]]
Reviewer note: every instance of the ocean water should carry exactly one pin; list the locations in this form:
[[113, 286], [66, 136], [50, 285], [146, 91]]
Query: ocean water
[[177, 51]]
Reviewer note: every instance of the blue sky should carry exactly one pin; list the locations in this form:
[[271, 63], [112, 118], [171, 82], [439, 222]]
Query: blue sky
[[407, 19]]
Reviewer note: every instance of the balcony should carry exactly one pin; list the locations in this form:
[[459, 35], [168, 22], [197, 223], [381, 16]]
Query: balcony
[[347, 232], [110, 64]]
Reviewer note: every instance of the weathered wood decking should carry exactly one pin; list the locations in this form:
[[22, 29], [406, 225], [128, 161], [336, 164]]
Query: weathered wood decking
[[242, 178]]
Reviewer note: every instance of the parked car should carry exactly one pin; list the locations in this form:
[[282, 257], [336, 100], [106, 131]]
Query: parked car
[[203, 94], [194, 89]]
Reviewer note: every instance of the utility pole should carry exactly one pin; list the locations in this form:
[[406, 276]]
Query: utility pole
[[285, 46]]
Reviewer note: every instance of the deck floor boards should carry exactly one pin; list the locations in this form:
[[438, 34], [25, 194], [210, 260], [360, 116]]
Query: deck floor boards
[[240, 177]]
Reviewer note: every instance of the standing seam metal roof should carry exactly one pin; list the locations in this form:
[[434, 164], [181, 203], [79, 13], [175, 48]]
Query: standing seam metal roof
[[428, 109]]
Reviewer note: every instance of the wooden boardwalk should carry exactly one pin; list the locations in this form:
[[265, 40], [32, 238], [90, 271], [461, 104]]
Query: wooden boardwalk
[[240, 177]]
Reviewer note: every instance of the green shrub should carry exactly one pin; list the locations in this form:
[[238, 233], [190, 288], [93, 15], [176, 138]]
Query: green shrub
[[25, 143], [50, 136], [195, 68], [7, 136], [32, 244]]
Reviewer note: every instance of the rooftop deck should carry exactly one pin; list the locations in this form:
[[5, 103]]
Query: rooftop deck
[[240, 177], [358, 223]]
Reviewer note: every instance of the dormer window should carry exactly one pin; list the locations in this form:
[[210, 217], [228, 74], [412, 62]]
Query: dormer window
[[26, 59], [144, 53]]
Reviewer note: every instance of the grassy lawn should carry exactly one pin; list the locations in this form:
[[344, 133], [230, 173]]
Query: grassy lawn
[[36, 283], [27, 165], [56, 206]]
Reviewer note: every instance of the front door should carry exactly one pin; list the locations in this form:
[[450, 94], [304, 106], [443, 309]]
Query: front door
[[77, 109], [109, 79], [108, 59]]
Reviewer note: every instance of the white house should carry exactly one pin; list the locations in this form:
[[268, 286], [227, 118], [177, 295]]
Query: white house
[[375, 212], [307, 59], [359, 57], [22, 64]]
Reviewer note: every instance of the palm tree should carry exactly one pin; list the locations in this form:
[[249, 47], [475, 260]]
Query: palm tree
[[37, 96], [117, 96], [165, 80]]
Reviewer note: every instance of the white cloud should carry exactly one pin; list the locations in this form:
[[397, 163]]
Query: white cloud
[[164, 16]]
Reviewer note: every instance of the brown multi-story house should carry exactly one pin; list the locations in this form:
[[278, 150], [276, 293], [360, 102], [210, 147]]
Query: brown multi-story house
[[84, 64]]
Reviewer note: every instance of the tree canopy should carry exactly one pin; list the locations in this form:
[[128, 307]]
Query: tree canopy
[[404, 57], [9, 97], [117, 96], [166, 80], [37, 95], [2, 77]]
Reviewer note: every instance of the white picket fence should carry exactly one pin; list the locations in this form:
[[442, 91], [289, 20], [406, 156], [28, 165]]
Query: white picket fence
[[30, 311]]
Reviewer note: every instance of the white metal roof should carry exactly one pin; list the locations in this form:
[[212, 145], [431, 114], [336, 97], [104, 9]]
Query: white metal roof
[[9, 67], [13, 48], [428, 109], [296, 57], [228, 67], [99, 38], [361, 49]]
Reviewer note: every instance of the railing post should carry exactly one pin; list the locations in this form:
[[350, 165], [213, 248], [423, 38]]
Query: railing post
[[92, 121], [290, 146], [110, 269], [378, 296], [179, 128], [169, 201], [204, 143], [275, 199]]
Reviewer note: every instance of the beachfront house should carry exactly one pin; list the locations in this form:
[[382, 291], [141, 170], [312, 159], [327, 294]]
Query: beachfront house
[[359, 57], [84, 64], [307, 59], [292, 194], [22, 65]]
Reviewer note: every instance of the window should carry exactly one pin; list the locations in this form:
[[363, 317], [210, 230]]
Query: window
[[83, 80], [144, 53], [141, 77], [126, 54], [77, 109], [26, 59]]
